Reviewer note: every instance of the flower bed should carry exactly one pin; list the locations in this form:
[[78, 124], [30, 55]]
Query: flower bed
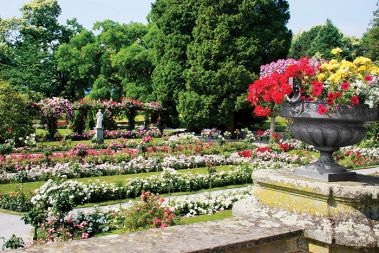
[[142, 164], [84, 225], [167, 181]]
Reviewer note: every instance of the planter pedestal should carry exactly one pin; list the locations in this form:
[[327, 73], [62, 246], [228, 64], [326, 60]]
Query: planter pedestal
[[335, 216], [99, 135]]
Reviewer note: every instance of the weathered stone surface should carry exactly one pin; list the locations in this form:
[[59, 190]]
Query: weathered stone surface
[[229, 235], [347, 232], [339, 213], [364, 187], [283, 189]]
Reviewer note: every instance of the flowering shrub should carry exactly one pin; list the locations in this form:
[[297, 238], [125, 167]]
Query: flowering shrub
[[80, 150], [115, 146], [206, 203], [116, 134], [58, 198], [55, 108], [210, 133], [149, 212], [334, 83], [51, 109]]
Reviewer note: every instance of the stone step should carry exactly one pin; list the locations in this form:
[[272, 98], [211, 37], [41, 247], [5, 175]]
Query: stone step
[[234, 235]]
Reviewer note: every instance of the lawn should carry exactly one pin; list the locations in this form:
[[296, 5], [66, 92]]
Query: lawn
[[183, 221], [32, 186], [280, 125], [89, 142]]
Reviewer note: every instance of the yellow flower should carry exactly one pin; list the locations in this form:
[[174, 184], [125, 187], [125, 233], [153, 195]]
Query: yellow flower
[[362, 61], [374, 70], [321, 77], [362, 68], [336, 51]]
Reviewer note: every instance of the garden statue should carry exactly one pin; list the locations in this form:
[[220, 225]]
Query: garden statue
[[99, 131], [99, 119]]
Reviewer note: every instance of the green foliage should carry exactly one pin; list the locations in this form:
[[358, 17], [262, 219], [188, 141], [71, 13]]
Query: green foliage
[[301, 42], [114, 63], [371, 37], [14, 242], [5, 149], [36, 216], [373, 133], [15, 201], [196, 109], [29, 44], [173, 22], [15, 114], [321, 39], [327, 38], [229, 46]]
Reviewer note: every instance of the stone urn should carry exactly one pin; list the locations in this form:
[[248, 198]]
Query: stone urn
[[327, 133]]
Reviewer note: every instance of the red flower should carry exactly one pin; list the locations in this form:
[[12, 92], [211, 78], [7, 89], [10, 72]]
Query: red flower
[[345, 86], [316, 91], [317, 88], [245, 153], [276, 136], [322, 109], [354, 100], [330, 101], [368, 78], [277, 97], [261, 111], [260, 132], [263, 149], [286, 88]]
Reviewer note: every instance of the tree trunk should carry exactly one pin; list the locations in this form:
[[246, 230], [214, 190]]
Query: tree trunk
[[272, 128], [230, 124]]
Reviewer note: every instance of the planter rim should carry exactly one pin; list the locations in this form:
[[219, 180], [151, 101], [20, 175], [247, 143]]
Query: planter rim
[[308, 110]]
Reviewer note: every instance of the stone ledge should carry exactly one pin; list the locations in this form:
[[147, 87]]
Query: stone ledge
[[361, 233], [366, 187], [238, 235]]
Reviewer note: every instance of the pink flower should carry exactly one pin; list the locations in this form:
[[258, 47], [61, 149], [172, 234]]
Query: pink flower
[[85, 235]]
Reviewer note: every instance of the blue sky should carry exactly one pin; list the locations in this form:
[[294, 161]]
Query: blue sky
[[351, 16]]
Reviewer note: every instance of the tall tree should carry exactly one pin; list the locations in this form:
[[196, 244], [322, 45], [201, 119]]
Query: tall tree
[[31, 41], [174, 21], [371, 37], [301, 42], [328, 37], [321, 39], [112, 64], [229, 46]]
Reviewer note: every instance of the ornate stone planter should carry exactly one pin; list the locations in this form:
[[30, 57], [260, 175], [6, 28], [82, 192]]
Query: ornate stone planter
[[327, 133]]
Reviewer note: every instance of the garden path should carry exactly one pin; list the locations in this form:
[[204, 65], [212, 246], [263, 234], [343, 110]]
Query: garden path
[[369, 171], [12, 224]]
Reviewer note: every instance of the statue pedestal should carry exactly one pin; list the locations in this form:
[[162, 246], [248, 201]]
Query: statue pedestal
[[99, 135], [335, 216]]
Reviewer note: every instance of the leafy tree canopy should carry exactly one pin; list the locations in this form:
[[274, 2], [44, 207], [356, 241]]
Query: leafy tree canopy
[[28, 45], [371, 37], [321, 39]]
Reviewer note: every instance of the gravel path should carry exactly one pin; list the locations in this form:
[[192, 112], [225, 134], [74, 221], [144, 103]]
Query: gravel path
[[12, 224], [368, 171]]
